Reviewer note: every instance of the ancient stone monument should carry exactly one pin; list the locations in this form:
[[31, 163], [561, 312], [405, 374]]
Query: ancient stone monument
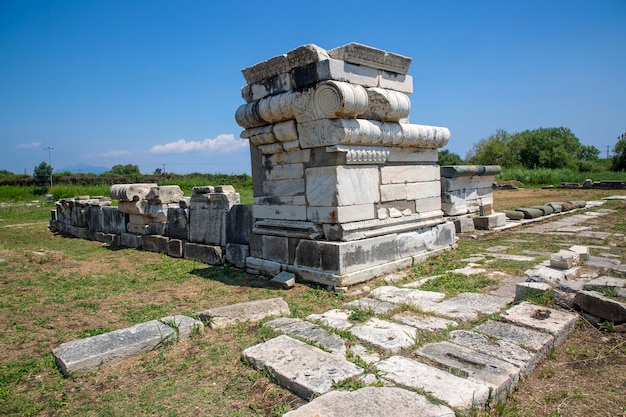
[[345, 188]]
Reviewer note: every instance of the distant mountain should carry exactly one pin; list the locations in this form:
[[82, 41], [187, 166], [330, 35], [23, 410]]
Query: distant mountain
[[83, 169]]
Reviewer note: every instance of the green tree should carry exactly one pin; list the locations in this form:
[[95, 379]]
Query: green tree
[[496, 149], [619, 156], [128, 169], [449, 158], [42, 173], [555, 147]]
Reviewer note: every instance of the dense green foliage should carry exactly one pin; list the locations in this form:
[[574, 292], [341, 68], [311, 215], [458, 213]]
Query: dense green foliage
[[619, 156], [42, 173], [128, 169], [555, 148], [449, 158]]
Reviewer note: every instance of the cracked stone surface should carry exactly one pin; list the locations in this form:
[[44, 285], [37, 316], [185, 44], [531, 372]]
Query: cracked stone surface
[[389, 336]]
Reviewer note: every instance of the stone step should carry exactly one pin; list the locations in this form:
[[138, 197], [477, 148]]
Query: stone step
[[529, 339], [499, 375], [371, 402], [299, 367], [457, 392], [466, 306], [555, 322], [391, 337], [309, 332], [601, 306]]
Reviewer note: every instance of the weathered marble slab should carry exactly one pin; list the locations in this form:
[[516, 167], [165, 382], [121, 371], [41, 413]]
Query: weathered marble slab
[[301, 368], [251, 311]]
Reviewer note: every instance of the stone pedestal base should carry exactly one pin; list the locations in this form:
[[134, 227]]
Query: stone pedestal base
[[490, 221], [349, 263]]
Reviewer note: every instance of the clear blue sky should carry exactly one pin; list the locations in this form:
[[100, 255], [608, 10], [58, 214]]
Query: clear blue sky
[[158, 82]]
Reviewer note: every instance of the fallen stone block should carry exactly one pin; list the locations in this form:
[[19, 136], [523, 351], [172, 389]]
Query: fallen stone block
[[457, 392], [530, 213], [546, 209], [619, 270], [301, 368], [371, 402], [578, 203], [600, 262], [184, 326], [513, 214], [557, 323], [582, 251], [601, 306], [109, 348], [490, 221], [301, 329], [605, 283], [284, 280], [523, 290], [464, 225], [556, 207], [564, 259], [251, 311]]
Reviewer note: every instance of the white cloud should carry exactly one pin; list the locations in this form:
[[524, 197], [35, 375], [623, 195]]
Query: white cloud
[[222, 143], [29, 145]]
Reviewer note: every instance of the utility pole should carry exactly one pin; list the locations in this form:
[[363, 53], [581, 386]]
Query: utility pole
[[607, 151], [49, 149], [163, 168]]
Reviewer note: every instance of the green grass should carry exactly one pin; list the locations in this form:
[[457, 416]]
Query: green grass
[[454, 284], [544, 176]]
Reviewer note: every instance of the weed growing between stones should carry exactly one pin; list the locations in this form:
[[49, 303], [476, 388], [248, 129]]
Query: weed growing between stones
[[361, 315]]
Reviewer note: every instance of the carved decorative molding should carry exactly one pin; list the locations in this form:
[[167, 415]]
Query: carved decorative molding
[[362, 154]]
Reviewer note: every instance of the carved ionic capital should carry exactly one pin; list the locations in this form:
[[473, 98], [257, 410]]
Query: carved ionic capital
[[387, 105]]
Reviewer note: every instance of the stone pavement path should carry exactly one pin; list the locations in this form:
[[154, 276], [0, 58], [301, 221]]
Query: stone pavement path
[[384, 350]]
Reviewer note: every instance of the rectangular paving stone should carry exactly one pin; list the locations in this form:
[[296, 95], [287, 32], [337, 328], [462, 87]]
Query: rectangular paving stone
[[557, 323], [528, 339], [109, 348], [377, 306], [371, 402], [310, 332], [389, 336], [251, 311], [496, 373], [498, 348], [408, 296], [457, 392], [301, 368], [185, 326], [336, 319], [424, 322]]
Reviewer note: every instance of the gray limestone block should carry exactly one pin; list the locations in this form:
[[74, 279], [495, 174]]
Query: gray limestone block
[[453, 171], [556, 207], [284, 280], [207, 226], [459, 393], [178, 223], [564, 259], [299, 367], [129, 240], [414, 297], [276, 248], [165, 194], [424, 322], [376, 306], [93, 216], [496, 373], [184, 326], [514, 214], [556, 322], [605, 282], [389, 336], [582, 251], [529, 339], [490, 221], [530, 213], [239, 224], [498, 348], [175, 248], [371, 402], [619, 270], [523, 290], [252, 311], [310, 332], [207, 254], [113, 220], [545, 209], [336, 319], [236, 254], [109, 348], [599, 305], [464, 225], [154, 243]]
